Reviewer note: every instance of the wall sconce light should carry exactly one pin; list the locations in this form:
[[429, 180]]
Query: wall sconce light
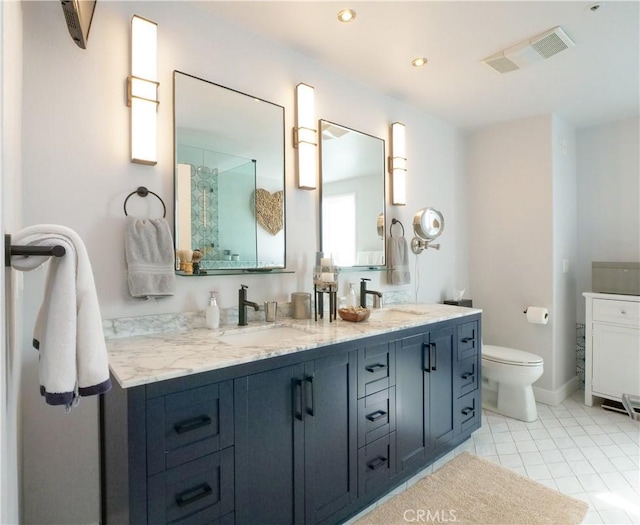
[[142, 91], [305, 137], [398, 164]]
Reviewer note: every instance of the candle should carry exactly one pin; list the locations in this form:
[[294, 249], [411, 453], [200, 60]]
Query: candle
[[327, 277], [325, 261]]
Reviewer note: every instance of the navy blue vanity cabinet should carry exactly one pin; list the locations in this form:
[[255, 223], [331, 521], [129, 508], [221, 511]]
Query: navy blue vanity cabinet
[[424, 395], [376, 417], [467, 405], [168, 454], [296, 440]]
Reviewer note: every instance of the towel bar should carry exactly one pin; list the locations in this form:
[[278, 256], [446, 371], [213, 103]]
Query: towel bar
[[48, 251]]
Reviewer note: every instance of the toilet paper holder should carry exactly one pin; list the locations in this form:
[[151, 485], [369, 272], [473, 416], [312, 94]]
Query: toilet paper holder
[[546, 313]]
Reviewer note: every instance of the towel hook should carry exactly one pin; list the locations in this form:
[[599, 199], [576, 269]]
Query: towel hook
[[395, 221], [143, 192]]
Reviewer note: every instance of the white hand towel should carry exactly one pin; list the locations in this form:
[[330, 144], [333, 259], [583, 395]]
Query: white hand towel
[[68, 331], [150, 256], [398, 268]]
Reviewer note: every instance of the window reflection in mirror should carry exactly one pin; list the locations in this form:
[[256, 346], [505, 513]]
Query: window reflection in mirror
[[352, 196], [229, 176]]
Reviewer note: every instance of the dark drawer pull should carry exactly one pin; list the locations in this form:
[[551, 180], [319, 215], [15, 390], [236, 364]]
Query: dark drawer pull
[[297, 399], [467, 410], [377, 463], [375, 368], [192, 424], [467, 375], [376, 415], [192, 495], [467, 339]]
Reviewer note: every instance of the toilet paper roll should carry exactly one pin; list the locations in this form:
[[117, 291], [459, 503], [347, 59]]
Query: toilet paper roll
[[537, 315]]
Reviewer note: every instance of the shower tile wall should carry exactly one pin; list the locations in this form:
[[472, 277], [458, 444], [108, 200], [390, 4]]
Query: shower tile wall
[[204, 210]]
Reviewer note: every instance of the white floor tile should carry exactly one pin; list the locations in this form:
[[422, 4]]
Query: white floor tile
[[558, 432], [612, 451], [540, 433], [583, 441], [506, 448], [592, 482], [502, 437], [532, 458], [592, 518], [560, 470], [552, 456], [593, 453], [562, 443], [615, 517], [615, 481], [581, 468], [538, 472], [569, 485], [572, 454], [602, 466], [511, 460], [546, 444], [623, 463]]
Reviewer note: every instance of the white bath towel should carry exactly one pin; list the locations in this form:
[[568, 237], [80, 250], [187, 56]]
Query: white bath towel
[[150, 256], [68, 330], [398, 267]]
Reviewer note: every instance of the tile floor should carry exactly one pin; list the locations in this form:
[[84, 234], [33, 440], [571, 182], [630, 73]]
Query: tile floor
[[586, 452]]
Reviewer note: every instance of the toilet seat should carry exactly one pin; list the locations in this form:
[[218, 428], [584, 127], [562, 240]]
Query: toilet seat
[[510, 356]]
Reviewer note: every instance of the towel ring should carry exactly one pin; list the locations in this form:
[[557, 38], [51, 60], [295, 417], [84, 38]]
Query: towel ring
[[143, 192], [395, 221]]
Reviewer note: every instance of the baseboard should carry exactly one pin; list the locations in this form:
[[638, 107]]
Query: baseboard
[[555, 397]]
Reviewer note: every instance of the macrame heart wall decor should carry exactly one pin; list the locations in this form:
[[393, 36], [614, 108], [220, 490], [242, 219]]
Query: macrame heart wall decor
[[269, 209]]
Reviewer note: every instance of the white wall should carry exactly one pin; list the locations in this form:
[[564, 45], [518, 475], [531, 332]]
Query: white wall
[[564, 255], [77, 173], [608, 166], [510, 232], [10, 209]]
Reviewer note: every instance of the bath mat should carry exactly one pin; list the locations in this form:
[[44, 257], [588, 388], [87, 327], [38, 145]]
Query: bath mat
[[470, 489]]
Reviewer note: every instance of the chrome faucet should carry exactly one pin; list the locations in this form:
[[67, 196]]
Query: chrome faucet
[[377, 296], [242, 305]]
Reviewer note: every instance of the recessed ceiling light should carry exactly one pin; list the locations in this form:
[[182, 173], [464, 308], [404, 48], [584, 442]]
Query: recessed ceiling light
[[419, 62], [346, 15]]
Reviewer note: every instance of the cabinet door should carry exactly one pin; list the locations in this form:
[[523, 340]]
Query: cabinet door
[[412, 384], [269, 435], [330, 420], [439, 369], [616, 360]]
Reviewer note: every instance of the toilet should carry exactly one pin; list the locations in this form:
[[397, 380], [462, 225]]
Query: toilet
[[507, 376]]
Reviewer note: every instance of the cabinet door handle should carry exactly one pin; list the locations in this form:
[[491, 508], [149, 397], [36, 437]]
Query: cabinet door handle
[[192, 424], [376, 415], [297, 399], [426, 353], [433, 359], [192, 495], [467, 410], [309, 407], [467, 339], [467, 375], [375, 368], [377, 463]]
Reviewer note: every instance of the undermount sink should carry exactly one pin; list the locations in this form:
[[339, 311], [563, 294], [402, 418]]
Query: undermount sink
[[263, 335]]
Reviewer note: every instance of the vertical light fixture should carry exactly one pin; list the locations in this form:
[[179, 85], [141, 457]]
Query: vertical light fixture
[[305, 137], [142, 91], [398, 164]]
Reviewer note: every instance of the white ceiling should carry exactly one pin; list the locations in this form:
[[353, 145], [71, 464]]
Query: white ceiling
[[594, 82]]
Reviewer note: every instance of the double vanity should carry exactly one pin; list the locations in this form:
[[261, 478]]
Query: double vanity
[[294, 422]]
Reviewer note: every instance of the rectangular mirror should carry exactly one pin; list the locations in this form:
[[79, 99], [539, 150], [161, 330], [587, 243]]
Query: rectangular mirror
[[229, 176], [352, 196]]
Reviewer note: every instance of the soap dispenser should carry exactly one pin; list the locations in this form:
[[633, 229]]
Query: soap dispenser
[[213, 313], [351, 296]]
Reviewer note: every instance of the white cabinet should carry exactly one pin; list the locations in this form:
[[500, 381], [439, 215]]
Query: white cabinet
[[612, 355]]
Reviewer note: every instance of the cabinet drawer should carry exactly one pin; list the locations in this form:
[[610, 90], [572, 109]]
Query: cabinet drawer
[[465, 377], [376, 368], [197, 492], [468, 340], [376, 464], [619, 312], [184, 426], [376, 416], [467, 412]]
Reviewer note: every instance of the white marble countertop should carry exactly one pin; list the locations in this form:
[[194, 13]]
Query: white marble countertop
[[140, 360]]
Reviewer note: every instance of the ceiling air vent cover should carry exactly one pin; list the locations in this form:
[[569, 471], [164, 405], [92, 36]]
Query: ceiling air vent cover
[[536, 49]]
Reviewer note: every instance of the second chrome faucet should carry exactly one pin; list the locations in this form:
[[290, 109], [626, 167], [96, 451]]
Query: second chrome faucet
[[242, 305]]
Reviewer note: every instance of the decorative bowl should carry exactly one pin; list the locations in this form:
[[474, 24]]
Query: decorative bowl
[[354, 314]]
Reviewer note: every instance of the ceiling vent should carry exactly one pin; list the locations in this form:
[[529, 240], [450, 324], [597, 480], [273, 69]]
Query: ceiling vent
[[537, 49]]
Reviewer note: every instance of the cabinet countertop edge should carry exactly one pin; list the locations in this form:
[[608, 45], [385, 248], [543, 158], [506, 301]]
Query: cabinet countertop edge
[[141, 360]]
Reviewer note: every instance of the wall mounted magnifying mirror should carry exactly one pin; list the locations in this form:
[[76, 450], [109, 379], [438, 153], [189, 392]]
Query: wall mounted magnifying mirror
[[229, 176], [352, 196], [428, 225]]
